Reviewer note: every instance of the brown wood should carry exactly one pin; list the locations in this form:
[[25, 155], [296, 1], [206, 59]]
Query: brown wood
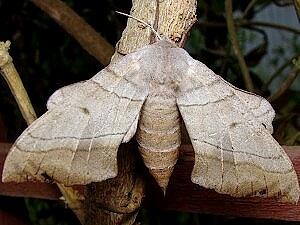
[[182, 194], [28, 189], [3, 132], [11, 218]]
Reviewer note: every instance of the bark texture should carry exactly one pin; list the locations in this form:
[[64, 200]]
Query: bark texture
[[172, 19]]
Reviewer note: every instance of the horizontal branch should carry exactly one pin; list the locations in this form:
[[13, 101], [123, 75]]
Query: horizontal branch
[[182, 194], [246, 23]]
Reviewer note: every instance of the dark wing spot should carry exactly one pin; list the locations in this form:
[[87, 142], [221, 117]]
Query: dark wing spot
[[85, 110], [233, 125], [264, 125]]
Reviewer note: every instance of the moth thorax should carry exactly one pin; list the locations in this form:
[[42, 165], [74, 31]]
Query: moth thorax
[[159, 138]]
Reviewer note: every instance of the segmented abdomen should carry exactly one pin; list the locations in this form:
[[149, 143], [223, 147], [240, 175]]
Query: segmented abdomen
[[159, 137]]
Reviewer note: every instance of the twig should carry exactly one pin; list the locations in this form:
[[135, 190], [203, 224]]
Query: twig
[[217, 52], [87, 37], [282, 4], [248, 8], [14, 81], [15, 84], [278, 71], [73, 200], [270, 25], [243, 23], [285, 85], [236, 47], [297, 8]]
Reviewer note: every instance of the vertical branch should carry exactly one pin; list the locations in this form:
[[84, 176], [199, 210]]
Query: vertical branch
[[14, 81], [174, 17], [117, 201], [236, 47]]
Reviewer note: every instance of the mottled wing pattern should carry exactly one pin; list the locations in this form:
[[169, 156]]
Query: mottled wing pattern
[[76, 140], [230, 131]]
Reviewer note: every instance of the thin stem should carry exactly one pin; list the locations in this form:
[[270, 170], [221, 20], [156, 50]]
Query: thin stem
[[248, 8], [236, 47], [285, 85], [282, 3], [15, 84], [12, 78], [73, 200], [268, 24], [279, 70], [246, 23]]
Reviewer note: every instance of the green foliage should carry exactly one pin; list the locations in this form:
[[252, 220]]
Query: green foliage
[[48, 213]]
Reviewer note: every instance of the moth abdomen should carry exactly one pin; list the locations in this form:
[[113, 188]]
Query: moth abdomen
[[159, 139]]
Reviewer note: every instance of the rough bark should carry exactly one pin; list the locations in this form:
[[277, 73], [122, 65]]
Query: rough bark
[[172, 19]]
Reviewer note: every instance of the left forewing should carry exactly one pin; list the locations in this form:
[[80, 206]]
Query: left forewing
[[77, 139]]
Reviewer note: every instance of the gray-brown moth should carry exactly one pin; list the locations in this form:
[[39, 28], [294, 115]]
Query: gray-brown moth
[[147, 93]]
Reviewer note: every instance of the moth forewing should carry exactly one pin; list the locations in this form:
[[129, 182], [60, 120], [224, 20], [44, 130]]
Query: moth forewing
[[76, 141], [230, 130]]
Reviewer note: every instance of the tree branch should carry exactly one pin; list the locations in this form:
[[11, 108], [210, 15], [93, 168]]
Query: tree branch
[[246, 23], [268, 24], [120, 198], [198, 200], [236, 47], [278, 71], [87, 37], [285, 85], [249, 7]]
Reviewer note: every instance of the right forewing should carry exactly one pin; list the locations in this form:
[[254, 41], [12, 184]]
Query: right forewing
[[230, 130]]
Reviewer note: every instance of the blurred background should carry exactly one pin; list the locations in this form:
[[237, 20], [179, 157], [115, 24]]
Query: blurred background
[[48, 58]]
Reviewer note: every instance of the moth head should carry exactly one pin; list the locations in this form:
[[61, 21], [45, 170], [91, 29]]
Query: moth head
[[165, 43]]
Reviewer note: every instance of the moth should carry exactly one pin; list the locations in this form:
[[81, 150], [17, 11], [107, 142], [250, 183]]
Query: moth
[[147, 93]]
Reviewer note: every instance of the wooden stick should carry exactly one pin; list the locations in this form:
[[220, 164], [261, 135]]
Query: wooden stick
[[182, 194], [14, 81]]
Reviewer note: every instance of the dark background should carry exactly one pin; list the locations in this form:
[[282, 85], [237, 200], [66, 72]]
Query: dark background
[[47, 58]]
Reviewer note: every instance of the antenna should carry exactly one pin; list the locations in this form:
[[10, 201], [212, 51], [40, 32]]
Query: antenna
[[141, 21]]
